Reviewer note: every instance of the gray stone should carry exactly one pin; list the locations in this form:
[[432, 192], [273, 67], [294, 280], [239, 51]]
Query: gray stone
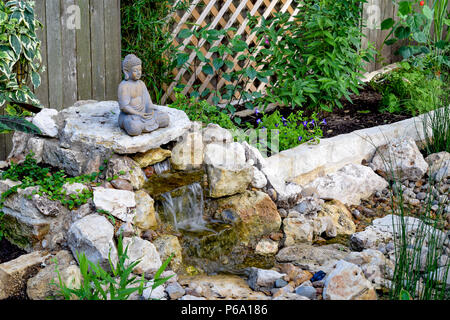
[[297, 230], [175, 291], [309, 205], [93, 236], [116, 202], [145, 251], [168, 245], [252, 153], [127, 169], [306, 291], [260, 279], [214, 133], [259, 180], [188, 154]]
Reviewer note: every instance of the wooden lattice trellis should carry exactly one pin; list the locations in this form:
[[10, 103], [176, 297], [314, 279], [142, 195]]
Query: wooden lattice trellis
[[219, 14]]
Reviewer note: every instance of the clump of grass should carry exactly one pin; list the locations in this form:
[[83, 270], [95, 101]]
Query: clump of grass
[[418, 246], [436, 127]]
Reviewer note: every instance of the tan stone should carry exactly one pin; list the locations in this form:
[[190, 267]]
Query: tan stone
[[168, 245], [15, 273], [151, 157], [145, 218], [341, 216]]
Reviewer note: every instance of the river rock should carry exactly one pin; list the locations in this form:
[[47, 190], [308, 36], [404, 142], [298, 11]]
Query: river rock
[[175, 291], [289, 296], [307, 291], [213, 133], [347, 282], [145, 217], [93, 236], [266, 247], [309, 206], [116, 202], [45, 121], [348, 185], [159, 293], [151, 157], [96, 124], [223, 287], [188, 154], [42, 286], [15, 273], [145, 251], [443, 172], [168, 245], [401, 157], [436, 160], [313, 258], [260, 279]]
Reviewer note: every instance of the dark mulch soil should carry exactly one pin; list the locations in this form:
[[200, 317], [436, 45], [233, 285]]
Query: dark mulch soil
[[362, 113], [9, 251]]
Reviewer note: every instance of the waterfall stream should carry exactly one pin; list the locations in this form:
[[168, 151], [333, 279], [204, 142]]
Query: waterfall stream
[[186, 211]]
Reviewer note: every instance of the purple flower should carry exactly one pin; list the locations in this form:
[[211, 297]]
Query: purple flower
[[256, 111], [300, 139], [276, 125], [305, 123], [312, 122], [258, 121], [284, 123], [283, 118], [324, 121]]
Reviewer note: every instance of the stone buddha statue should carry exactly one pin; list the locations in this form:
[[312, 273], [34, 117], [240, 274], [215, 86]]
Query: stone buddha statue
[[137, 112]]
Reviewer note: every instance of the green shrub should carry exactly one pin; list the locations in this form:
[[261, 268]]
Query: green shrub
[[409, 90], [317, 57], [438, 124], [145, 26]]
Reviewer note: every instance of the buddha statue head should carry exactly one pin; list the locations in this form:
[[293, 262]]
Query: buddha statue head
[[132, 67]]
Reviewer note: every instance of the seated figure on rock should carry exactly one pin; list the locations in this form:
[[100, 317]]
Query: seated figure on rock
[[137, 112]]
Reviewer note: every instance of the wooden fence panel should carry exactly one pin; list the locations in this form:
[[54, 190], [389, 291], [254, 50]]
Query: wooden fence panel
[[81, 53]]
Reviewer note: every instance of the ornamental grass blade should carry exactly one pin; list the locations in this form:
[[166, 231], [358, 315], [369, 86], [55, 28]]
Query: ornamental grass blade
[[18, 124]]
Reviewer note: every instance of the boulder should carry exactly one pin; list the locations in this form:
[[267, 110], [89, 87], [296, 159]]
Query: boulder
[[46, 282], [436, 160], [402, 158], [313, 258], [127, 169], [227, 182], [15, 273], [213, 133], [145, 217], [348, 185], [116, 202], [229, 156], [93, 236], [253, 154], [145, 251], [347, 282], [45, 121], [286, 195], [151, 157], [188, 154]]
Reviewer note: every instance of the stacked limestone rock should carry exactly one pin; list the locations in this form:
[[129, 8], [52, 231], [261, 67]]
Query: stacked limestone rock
[[273, 220]]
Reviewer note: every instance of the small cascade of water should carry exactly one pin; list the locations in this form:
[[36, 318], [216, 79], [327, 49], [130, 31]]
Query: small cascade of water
[[162, 167], [186, 211]]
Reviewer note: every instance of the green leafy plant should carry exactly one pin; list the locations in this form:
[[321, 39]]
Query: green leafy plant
[[201, 110], [316, 57], [277, 133], [20, 61], [145, 29], [421, 29], [409, 90], [99, 284]]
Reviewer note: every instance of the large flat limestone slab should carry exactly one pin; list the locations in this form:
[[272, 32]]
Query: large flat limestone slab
[[305, 163], [96, 123]]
